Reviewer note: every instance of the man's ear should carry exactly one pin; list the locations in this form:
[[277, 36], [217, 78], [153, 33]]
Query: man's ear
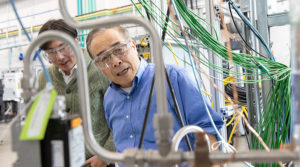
[[132, 43]]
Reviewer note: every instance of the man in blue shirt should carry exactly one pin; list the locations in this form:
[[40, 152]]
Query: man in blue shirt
[[125, 101]]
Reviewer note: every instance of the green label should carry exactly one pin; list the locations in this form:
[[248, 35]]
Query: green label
[[38, 116]]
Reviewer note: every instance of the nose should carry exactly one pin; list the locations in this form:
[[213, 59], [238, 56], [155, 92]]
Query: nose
[[116, 61], [59, 56]]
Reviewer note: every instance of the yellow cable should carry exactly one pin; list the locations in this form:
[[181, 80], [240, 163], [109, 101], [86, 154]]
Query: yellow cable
[[173, 53], [235, 124], [142, 41], [245, 111], [206, 93], [209, 95], [231, 120]]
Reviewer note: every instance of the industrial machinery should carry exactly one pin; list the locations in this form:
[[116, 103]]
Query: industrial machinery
[[11, 94], [61, 143], [143, 47], [2, 105]]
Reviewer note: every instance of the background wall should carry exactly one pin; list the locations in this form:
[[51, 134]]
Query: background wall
[[34, 13]]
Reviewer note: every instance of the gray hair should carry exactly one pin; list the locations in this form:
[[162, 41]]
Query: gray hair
[[97, 31]]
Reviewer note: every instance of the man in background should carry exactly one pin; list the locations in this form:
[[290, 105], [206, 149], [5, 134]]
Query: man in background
[[64, 80]]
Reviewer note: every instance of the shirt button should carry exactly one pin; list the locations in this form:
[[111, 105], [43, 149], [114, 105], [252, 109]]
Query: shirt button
[[128, 97], [68, 91], [131, 136], [127, 116], [68, 110]]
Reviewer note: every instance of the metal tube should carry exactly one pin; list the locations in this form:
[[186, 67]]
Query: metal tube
[[183, 132], [295, 63], [253, 43], [82, 85], [254, 156], [153, 157], [263, 29]]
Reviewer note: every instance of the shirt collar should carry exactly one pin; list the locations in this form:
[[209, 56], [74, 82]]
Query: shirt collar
[[137, 78], [140, 72], [71, 72]]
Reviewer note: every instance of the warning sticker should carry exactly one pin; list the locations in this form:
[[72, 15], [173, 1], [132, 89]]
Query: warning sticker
[[76, 147], [57, 147]]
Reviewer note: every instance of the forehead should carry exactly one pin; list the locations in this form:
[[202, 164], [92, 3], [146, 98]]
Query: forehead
[[54, 44], [105, 40]]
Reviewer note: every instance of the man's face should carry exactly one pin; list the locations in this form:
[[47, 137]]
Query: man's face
[[61, 55], [121, 60]]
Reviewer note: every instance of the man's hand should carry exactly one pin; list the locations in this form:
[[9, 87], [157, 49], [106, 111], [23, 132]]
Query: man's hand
[[94, 162]]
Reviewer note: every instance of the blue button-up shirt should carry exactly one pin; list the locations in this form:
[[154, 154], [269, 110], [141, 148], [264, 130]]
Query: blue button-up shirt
[[125, 112]]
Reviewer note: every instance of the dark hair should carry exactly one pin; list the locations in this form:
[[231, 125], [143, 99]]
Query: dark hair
[[58, 25], [96, 31]]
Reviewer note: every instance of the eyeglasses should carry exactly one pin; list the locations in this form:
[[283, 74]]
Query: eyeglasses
[[52, 53], [104, 60]]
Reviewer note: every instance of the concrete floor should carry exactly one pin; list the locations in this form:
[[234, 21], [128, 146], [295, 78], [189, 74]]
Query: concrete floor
[[7, 157], [242, 146]]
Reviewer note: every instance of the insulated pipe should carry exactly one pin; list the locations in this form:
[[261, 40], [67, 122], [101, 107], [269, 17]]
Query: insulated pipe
[[163, 121], [295, 63], [183, 132], [82, 85]]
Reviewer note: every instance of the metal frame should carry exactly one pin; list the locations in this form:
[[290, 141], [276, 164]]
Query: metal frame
[[217, 97], [295, 59], [278, 19]]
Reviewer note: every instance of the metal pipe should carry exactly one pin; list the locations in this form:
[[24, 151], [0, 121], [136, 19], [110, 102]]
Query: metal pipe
[[152, 157], [183, 132], [255, 156], [82, 85], [253, 43], [163, 121], [295, 63]]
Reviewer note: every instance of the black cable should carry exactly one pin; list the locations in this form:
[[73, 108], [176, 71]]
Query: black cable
[[246, 134], [192, 4], [252, 28], [179, 116], [242, 95], [148, 16], [165, 27], [146, 114], [241, 34]]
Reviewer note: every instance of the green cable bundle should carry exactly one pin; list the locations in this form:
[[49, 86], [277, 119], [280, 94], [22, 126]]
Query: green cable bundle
[[274, 124]]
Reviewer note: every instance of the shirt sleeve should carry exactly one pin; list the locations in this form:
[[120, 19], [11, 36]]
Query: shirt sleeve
[[107, 108], [194, 103]]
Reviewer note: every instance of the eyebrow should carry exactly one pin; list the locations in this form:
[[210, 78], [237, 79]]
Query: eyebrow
[[115, 44], [56, 47]]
